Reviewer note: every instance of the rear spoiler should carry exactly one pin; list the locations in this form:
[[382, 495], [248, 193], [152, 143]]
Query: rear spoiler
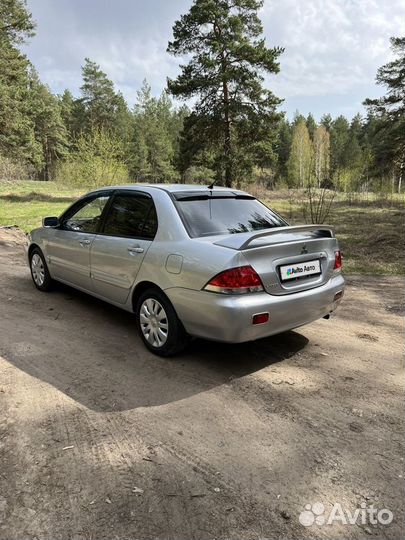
[[242, 241]]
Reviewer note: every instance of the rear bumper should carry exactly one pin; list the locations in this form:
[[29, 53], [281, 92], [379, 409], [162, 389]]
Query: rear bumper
[[229, 318]]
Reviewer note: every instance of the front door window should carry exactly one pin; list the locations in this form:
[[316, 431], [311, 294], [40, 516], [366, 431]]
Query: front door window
[[86, 218]]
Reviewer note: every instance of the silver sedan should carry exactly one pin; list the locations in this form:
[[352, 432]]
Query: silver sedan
[[191, 261]]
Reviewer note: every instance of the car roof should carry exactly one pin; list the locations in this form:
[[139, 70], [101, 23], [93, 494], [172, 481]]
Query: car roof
[[169, 188]]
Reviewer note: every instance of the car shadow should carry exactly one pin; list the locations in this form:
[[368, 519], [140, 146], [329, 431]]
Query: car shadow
[[90, 351]]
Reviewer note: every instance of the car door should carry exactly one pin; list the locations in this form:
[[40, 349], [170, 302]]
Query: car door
[[68, 248], [117, 252]]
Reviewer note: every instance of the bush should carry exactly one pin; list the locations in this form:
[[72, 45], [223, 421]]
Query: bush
[[91, 173], [11, 171], [97, 161]]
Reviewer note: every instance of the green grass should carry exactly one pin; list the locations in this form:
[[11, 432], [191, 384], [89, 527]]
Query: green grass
[[371, 231], [25, 203]]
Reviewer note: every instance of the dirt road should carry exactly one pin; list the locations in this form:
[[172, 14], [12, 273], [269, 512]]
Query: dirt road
[[100, 439]]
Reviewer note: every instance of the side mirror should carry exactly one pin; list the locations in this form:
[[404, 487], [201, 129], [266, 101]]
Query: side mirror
[[50, 222]]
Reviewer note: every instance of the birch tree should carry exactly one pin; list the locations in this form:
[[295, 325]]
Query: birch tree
[[299, 162], [321, 155]]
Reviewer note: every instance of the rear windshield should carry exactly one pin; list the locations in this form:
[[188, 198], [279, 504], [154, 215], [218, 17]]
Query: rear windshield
[[206, 215]]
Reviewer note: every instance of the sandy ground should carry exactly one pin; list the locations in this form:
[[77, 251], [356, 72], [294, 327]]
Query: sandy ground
[[100, 439]]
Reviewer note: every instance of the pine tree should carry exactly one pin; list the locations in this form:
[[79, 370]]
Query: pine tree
[[298, 117], [123, 121], [326, 121], [50, 131], [232, 110], [17, 136], [283, 147], [99, 99], [311, 125], [152, 148], [67, 112], [353, 155], [390, 110], [16, 24], [339, 134]]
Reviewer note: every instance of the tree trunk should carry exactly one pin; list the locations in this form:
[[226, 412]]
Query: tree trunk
[[227, 120], [47, 161], [401, 171], [227, 141]]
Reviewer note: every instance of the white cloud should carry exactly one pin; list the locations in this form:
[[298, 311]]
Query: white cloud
[[128, 39], [332, 46]]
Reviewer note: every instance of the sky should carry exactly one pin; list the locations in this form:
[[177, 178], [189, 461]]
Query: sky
[[332, 47]]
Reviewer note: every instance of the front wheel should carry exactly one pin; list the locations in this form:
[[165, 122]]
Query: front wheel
[[161, 330], [39, 271]]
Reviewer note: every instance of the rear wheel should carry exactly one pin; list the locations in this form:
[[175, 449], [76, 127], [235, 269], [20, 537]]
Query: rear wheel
[[161, 330], [39, 271]]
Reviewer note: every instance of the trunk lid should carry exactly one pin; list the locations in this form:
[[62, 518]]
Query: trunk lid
[[308, 251]]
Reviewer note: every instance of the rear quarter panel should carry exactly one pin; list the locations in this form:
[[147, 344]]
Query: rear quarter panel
[[187, 263]]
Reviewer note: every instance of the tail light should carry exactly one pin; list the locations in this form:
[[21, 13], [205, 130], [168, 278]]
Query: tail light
[[338, 261], [243, 279]]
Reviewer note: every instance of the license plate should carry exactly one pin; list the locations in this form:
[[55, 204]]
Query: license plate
[[297, 270]]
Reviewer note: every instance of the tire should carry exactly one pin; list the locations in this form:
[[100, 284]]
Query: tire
[[160, 329], [39, 271]]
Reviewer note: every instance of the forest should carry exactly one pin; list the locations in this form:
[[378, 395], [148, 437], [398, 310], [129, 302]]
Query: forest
[[235, 133]]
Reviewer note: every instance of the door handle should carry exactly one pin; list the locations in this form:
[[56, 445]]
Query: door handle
[[135, 249], [85, 242]]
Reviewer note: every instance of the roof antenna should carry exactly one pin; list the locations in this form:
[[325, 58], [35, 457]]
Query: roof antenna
[[211, 186]]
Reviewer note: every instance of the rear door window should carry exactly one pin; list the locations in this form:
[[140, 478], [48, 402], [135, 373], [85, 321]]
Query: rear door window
[[131, 215], [227, 213]]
